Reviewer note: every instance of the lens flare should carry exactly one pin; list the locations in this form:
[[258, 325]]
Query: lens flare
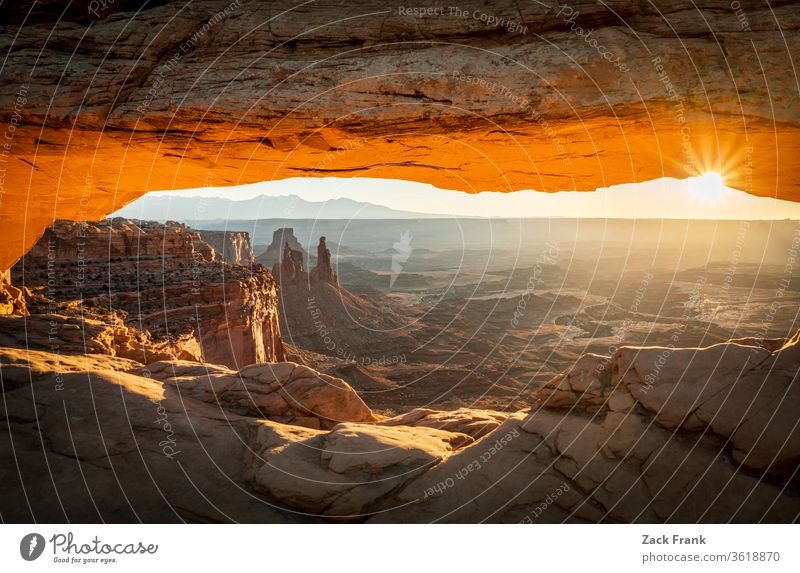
[[707, 188]]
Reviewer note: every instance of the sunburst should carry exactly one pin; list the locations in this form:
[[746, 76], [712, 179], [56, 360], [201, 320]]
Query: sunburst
[[707, 188]]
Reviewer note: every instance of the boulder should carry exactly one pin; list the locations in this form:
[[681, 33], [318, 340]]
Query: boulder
[[284, 392], [472, 422], [339, 474]]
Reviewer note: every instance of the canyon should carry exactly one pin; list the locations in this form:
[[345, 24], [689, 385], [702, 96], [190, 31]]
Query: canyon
[[674, 430], [415, 370]]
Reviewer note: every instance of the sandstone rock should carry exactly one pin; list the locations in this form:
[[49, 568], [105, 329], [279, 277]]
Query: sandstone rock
[[276, 249], [545, 467], [290, 269], [90, 334], [284, 392], [233, 247], [112, 447], [370, 449], [105, 443], [339, 474], [168, 281], [451, 101], [20, 366], [11, 299], [742, 393], [474, 423], [586, 385], [323, 271]]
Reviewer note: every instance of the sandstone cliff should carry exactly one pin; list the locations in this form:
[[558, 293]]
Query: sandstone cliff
[[166, 279], [233, 247]]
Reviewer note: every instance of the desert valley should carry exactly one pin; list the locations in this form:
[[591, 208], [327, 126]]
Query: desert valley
[[409, 380]]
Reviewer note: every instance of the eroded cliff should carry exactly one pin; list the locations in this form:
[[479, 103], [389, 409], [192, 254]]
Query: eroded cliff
[[167, 280], [233, 247]]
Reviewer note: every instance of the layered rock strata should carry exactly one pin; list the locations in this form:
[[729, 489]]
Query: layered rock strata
[[167, 281], [233, 247]]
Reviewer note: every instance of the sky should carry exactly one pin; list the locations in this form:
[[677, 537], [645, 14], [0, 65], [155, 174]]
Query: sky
[[704, 198]]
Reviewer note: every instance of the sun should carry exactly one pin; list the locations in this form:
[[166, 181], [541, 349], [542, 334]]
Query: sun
[[707, 188]]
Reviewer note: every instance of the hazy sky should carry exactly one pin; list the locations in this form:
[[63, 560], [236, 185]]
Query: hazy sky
[[703, 198]]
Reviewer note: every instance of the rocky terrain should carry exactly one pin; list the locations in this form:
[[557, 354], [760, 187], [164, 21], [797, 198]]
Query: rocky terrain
[[233, 247], [70, 328], [505, 96], [322, 319], [465, 428], [711, 436], [167, 280], [275, 252], [486, 324], [156, 373], [12, 300]]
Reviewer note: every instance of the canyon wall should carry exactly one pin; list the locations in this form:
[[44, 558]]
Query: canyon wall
[[167, 280], [99, 107], [233, 247]]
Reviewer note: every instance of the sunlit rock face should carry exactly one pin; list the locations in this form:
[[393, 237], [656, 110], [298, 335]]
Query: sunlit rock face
[[233, 247], [501, 96], [168, 281]]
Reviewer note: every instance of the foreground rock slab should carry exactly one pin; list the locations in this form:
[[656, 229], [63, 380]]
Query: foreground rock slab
[[344, 472], [605, 442], [473, 422], [284, 392], [106, 446], [746, 396]]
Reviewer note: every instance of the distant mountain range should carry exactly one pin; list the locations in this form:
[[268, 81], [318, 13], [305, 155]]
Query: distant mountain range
[[178, 208]]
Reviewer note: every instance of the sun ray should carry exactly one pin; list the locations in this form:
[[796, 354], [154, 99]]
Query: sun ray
[[707, 188]]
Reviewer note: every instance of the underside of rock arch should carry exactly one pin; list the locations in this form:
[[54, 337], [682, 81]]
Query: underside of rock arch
[[103, 102]]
